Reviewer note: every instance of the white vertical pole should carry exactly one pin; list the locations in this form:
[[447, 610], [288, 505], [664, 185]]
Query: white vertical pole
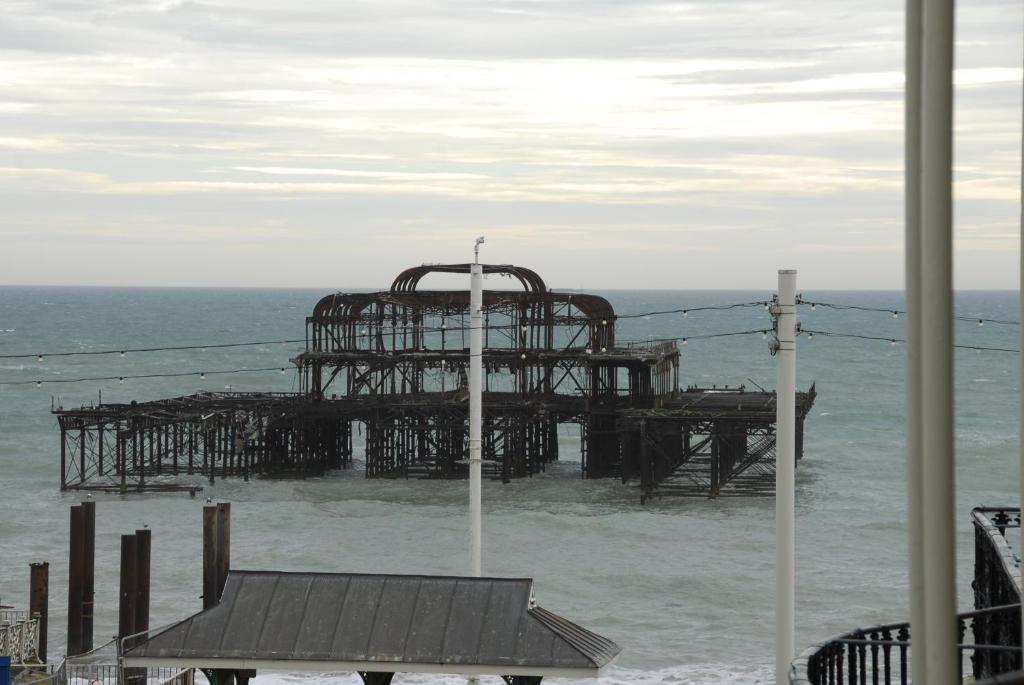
[[475, 409], [1020, 295], [939, 647], [912, 295], [785, 467]]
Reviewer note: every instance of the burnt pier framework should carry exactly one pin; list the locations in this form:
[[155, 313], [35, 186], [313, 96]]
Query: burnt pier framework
[[393, 365]]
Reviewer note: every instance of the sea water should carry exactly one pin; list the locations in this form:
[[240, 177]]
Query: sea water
[[685, 586]]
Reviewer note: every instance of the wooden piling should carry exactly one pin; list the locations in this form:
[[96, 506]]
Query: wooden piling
[[76, 576], [223, 545], [129, 592], [88, 572], [39, 602], [210, 593], [143, 545]]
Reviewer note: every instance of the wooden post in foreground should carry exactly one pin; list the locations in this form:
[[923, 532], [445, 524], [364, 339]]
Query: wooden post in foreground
[[76, 574], [210, 594], [143, 545], [216, 551], [223, 545], [129, 595], [88, 572], [39, 602]]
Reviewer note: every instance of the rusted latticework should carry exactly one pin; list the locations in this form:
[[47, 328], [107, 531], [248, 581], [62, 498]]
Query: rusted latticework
[[707, 442], [549, 358], [138, 446], [392, 366]]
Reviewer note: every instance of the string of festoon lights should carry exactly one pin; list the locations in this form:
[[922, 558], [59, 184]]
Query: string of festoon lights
[[897, 313], [395, 328], [810, 333], [178, 374], [364, 334]]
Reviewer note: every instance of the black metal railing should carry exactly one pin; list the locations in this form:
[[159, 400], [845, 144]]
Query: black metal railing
[[996, 583], [990, 636], [881, 655], [1015, 678]]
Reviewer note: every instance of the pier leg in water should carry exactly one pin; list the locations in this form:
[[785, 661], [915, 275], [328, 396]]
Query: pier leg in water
[[39, 602], [76, 576], [376, 677], [88, 571]]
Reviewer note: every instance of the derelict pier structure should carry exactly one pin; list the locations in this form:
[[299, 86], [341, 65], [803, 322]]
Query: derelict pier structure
[[393, 366]]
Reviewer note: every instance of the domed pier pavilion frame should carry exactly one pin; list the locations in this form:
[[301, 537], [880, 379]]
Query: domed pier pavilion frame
[[549, 358]]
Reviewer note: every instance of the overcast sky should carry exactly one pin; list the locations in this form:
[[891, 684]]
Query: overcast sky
[[625, 143]]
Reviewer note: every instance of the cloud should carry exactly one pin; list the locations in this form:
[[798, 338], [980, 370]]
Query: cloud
[[711, 127]]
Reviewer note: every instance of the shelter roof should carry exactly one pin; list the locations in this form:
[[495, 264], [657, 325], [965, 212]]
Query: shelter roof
[[409, 623]]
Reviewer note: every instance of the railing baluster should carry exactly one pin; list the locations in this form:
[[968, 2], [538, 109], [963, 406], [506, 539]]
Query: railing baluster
[[887, 656], [903, 635], [961, 628], [862, 654], [874, 657], [851, 653]]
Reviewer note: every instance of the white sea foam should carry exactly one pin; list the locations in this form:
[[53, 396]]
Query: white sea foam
[[699, 674]]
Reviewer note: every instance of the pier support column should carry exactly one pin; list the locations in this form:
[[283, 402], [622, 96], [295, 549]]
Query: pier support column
[[39, 603], [210, 591], [216, 551], [129, 589], [88, 572], [76, 576], [223, 545], [143, 547]]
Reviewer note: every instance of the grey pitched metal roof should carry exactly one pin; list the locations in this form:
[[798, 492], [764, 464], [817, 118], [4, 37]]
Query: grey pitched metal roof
[[348, 621]]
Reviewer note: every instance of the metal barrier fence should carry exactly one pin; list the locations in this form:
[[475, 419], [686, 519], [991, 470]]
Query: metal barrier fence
[[105, 674]]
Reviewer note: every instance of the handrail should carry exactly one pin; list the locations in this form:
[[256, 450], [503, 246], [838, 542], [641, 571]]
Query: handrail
[[869, 652], [990, 525], [994, 624]]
